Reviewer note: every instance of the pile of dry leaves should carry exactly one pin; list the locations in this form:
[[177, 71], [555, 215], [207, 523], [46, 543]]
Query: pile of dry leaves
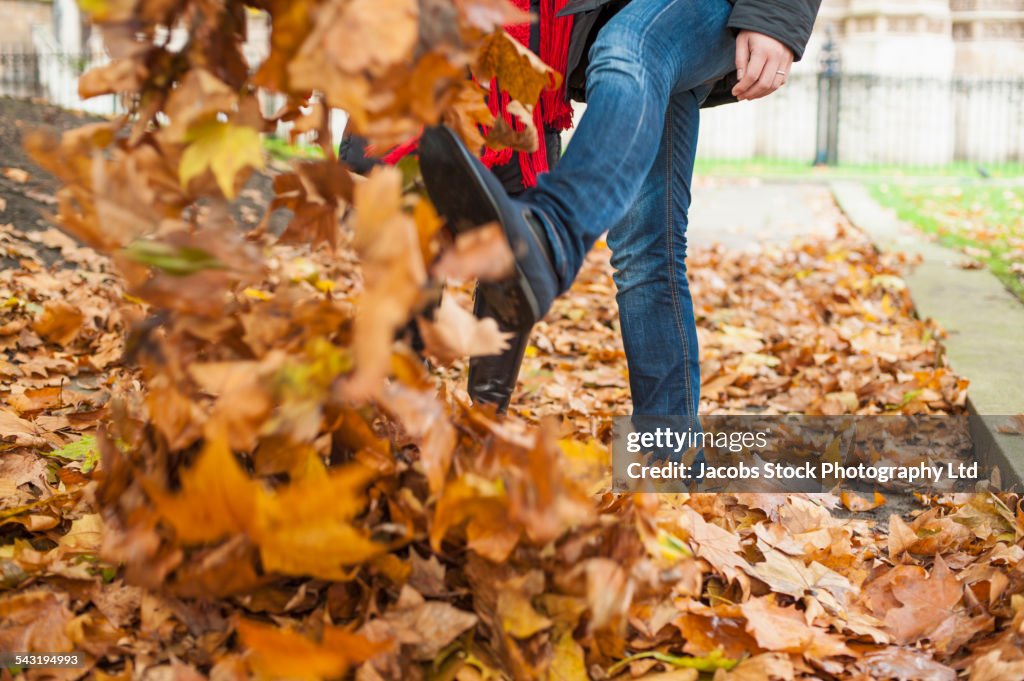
[[283, 492]]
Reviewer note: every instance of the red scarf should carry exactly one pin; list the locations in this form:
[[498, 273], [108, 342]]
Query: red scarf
[[553, 111]]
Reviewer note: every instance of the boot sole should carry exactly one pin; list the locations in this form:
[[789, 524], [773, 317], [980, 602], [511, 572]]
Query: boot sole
[[460, 195]]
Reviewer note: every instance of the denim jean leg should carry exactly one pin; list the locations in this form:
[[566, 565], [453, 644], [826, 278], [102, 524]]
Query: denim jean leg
[[649, 256], [647, 51]]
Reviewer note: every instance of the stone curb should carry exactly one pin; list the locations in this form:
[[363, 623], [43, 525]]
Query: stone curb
[[984, 324]]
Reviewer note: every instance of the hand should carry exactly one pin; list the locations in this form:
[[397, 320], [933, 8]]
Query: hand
[[762, 65]]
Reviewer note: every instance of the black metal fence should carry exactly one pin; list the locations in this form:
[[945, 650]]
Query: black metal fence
[[53, 77], [828, 117], [905, 121]]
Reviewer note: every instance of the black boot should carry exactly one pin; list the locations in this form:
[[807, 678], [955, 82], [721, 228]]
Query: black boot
[[492, 378], [468, 196]]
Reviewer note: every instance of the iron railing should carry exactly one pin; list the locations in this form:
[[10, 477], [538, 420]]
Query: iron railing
[[829, 117]]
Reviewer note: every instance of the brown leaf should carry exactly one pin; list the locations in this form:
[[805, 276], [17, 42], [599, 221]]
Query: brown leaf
[[991, 667], [785, 629], [901, 536], [764, 667], [790, 575], [484, 505], [59, 322], [16, 175], [426, 627], [926, 603], [387, 241], [120, 75], [715, 545], [858, 504], [522, 136], [35, 621], [906, 664], [1012, 426], [314, 193], [373, 34], [519, 71], [428, 575], [119, 603], [609, 591], [456, 333], [282, 653], [15, 429], [424, 420], [481, 253], [488, 15]]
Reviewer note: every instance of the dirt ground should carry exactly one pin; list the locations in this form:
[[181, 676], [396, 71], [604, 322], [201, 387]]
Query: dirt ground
[[27, 191]]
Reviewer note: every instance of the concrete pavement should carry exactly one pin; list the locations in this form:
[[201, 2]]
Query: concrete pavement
[[741, 214], [983, 320]]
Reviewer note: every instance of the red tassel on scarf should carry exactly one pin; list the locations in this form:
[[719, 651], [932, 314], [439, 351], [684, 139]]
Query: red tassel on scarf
[[552, 111], [555, 32]]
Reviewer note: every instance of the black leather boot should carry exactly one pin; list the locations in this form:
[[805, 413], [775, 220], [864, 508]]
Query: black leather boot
[[492, 378], [468, 195]]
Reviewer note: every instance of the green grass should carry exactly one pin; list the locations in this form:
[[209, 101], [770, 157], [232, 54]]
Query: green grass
[[282, 150], [765, 167], [985, 221]]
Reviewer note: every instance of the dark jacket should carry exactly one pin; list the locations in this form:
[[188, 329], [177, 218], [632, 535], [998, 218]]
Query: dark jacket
[[788, 21]]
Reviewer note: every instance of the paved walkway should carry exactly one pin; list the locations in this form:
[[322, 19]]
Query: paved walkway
[[984, 321], [743, 215]]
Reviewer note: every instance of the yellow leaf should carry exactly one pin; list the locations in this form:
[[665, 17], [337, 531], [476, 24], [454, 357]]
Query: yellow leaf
[[107, 10], [304, 529], [518, 618], [217, 497], [223, 148], [256, 294], [567, 663]]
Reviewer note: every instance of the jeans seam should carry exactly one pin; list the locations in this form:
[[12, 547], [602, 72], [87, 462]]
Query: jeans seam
[[670, 239]]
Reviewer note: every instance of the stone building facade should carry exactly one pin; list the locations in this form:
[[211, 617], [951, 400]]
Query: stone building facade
[[924, 82], [19, 18]]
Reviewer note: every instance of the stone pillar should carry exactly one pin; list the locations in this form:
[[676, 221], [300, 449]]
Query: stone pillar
[[68, 27], [897, 100]]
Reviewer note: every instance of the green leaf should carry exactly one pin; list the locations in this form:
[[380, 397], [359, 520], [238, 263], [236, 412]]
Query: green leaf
[[709, 663], [179, 262], [83, 450], [910, 396]]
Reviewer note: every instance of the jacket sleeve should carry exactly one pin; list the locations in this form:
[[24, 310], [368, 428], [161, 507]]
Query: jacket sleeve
[[788, 21]]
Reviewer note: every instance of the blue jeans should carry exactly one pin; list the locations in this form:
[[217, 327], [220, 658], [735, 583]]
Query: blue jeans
[[628, 171]]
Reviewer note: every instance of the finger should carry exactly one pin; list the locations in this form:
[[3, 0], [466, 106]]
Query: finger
[[750, 77], [767, 82], [742, 55]]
